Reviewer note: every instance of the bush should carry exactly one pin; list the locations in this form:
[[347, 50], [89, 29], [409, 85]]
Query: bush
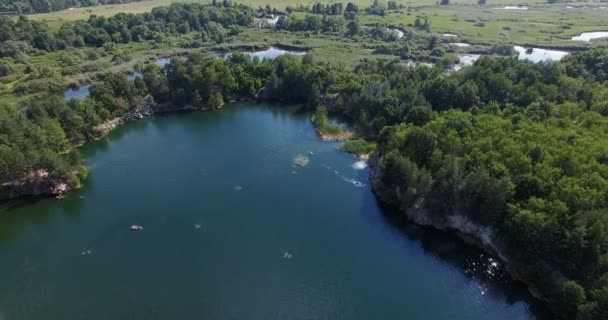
[[358, 146]]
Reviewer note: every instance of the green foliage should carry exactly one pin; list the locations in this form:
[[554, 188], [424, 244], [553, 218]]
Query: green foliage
[[359, 146], [569, 296], [547, 200], [210, 20], [34, 6], [321, 121]]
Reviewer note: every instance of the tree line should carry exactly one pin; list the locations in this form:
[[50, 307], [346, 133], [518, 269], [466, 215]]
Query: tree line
[[22, 36], [37, 6]]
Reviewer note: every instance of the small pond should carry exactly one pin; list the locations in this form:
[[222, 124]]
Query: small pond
[[270, 53], [512, 8], [465, 60], [588, 36], [460, 44], [271, 21], [538, 55], [398, 33], [80, 93]]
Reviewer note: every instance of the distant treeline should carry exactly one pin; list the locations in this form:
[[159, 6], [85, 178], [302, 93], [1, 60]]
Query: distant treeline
[[38, 6], [213, 21]]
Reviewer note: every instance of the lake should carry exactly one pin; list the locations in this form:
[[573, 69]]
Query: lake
[[233, 229]]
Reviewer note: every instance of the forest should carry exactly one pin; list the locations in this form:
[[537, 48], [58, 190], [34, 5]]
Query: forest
[[215, 21], [514, 145]]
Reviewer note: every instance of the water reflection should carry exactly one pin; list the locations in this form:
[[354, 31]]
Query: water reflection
[[270, 53], [486, 274], [81, 92]]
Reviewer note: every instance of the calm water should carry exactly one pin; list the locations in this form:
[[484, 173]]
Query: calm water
[[78, 93], [460, 44], [465, 60], [233, 230], [538, 54], [82, 92], [588, 36], [512, 8], [398, 33], [272, 53]]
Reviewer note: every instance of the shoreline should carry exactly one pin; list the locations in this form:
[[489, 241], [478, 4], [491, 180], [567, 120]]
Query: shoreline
[[344, 135], [479, 236], [44, 186]]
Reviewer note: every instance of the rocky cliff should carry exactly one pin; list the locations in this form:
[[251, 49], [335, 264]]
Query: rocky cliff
[[38, 183], [479, 235]]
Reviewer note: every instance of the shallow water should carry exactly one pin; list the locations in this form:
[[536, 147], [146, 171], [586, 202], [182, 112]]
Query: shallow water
[[465, 60], [397, 32], [162, 62], [460, 44], [538, 55], [232, 229], [270, 21], [588, 36], [78, 93], [513, 8], [270, 53]]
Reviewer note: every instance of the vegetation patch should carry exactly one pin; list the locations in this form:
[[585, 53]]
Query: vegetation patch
[[327, 130], [360, 147]]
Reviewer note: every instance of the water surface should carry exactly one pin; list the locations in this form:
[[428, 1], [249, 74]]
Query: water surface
[[273, 52], [465, 60], [588, 36], [78, 93], [234, 230], [396, 32], [81, 92], [538, 55], [270, 21], [523, 8], [460, 44]]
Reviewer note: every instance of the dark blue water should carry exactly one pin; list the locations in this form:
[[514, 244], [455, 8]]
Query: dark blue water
[[233, 229]]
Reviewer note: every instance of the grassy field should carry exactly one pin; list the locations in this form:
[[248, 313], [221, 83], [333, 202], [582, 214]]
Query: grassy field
[[546, 25]]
